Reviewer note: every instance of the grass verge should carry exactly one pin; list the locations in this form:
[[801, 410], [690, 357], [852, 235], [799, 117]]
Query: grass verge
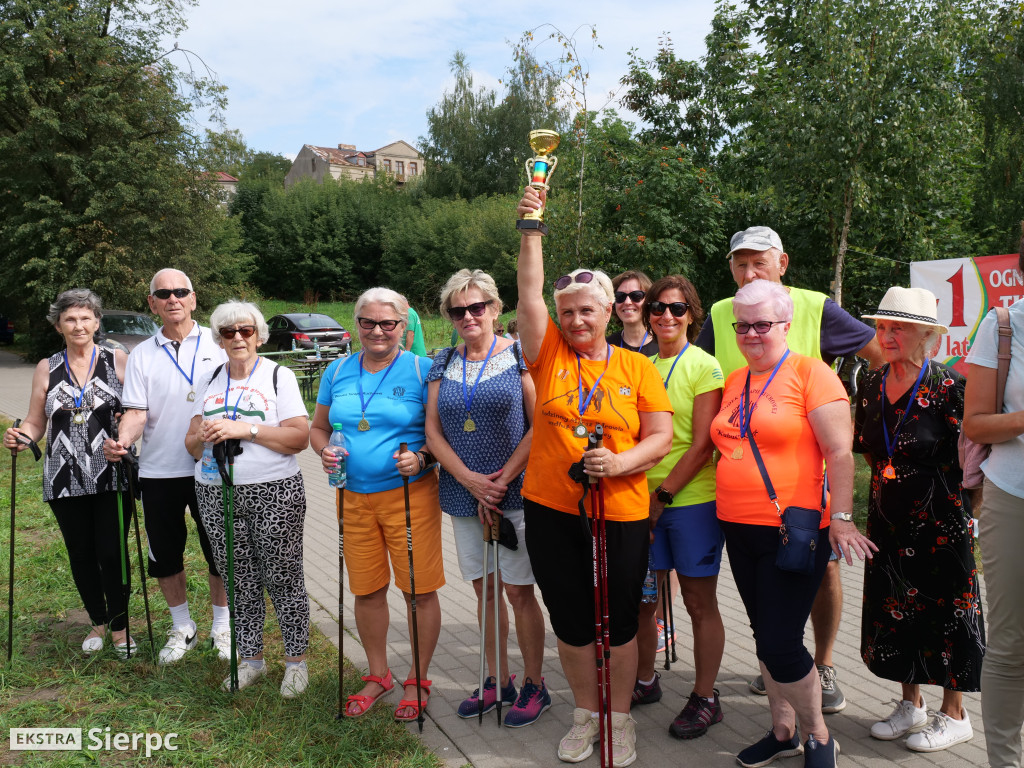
[[51, 684]]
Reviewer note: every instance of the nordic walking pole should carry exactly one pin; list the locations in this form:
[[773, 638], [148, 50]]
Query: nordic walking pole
[[670, 623], [602, 637], [340, 503], [10, 560], [666, 588], [402, 448], [122, 544], [495, 535], [483, 633], [229, 524]]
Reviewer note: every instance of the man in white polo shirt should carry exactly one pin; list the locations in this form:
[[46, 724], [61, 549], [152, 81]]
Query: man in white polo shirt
[[159, 394]]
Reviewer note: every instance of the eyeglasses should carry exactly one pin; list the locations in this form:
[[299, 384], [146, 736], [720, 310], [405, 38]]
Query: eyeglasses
[[677, 308], [477, 309], [166, 293], [245, 331], [368, 325], [761, 326], [635, 296], [579, 277]]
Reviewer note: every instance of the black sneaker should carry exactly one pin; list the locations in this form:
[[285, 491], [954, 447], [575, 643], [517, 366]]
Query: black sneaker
[[818, 755], [697, 716], [832, 699], [647, 694], [768, 749]]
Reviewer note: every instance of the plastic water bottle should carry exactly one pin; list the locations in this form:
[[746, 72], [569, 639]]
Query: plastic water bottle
[[316, 349], [208, 466], [293, 343], [339, 474], [649, 594]]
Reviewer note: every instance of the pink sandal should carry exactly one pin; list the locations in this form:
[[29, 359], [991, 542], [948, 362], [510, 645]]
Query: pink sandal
[[412, 704], [363, 703]]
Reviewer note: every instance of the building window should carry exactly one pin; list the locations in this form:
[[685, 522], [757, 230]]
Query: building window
[[387, 166], [312, 164], [412, 169], [400, 167], [361, 161]]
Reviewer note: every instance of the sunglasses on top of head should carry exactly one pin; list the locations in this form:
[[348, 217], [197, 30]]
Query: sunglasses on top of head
[[677, 308], [476, 309], [635, 296], [246, 332], [580, 277], [761, 327], [368, 325], [166, 293]]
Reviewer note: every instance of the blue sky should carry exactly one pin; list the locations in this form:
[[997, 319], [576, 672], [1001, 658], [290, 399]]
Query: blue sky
[[365, 73]]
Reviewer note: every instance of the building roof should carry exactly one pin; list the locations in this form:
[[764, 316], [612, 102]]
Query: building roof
[[219, 176]]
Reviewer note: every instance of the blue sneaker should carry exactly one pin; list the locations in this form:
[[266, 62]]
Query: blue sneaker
[[532, 702], [471, 707], [769, 749]]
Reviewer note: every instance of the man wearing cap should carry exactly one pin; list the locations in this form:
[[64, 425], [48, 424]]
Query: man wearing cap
[[159, 393], [821, 329]]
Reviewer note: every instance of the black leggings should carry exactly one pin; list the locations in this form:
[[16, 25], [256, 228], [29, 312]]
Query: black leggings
[[778, 602], [90, 530]]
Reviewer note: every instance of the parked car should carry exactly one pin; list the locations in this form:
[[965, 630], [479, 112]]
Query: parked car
[[120, 329], [6, 331], [300, 330]]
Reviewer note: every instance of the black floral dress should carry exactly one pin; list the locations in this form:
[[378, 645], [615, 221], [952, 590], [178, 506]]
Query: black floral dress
[[921, 621]]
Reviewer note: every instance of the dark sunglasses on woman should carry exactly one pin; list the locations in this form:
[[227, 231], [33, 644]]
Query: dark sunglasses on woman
[[635, 296], [565, 280], [166, 293], [677, 308], [477, 309], [245, 330], [368, 325]]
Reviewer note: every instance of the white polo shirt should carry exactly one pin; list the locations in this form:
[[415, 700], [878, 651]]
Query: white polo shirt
[[154, 384]]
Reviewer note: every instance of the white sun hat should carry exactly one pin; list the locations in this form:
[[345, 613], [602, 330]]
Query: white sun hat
[[909, 305]]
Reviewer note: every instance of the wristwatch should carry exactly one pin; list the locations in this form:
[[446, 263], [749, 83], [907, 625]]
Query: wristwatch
[[253, 431], [846, 517], [663, 496]]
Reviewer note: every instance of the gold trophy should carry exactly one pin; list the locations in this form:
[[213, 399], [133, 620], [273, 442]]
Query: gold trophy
[[539, 170]]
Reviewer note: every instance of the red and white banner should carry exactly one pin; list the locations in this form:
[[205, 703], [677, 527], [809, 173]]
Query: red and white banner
[[967, 289]]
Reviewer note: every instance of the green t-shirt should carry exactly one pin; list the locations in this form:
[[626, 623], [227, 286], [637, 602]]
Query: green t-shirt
[[696, 372], [419, 345]]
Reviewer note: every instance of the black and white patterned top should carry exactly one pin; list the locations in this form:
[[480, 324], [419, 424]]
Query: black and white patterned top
[[75, 465]]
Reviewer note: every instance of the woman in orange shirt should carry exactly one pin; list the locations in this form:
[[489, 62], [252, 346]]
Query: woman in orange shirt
[[582, 381]]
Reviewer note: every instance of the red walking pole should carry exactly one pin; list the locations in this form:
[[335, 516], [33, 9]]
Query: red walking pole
[[602, 639]]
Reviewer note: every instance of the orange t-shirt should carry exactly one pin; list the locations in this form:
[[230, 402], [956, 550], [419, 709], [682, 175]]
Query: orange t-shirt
[[630, 385], [784, 437]]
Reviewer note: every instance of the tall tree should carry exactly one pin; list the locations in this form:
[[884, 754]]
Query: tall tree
[[92, 142]]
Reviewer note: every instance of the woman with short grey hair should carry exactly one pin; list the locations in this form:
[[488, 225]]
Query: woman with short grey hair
[[75, 396], [255, 404]]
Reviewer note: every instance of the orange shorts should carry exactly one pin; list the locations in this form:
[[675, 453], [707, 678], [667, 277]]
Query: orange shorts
[[375, 529]]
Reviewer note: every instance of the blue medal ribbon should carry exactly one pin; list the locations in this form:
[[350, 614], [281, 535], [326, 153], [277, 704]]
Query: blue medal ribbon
[[747, 407], [890, 445], [366, 404], [227, 370], [189, 377], [71, 377], [581, 403], [672, 369]]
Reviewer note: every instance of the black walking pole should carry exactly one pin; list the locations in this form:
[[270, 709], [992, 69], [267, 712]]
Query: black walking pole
[[670, 619], [483, 633], [665, 603], [10, 578], [495, 535], [225, 453], [131, 473], [340, 502], [403, 447]]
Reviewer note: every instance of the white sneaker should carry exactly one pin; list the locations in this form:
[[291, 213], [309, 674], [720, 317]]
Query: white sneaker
[[578, 743], [942, 732], [121, 649], [623, 739], [906, 718], [179, 640], [222, 642], [296, 678], [92, 644], [247, 675]]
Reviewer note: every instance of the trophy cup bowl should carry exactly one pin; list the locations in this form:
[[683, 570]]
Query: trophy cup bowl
[[538, 172]]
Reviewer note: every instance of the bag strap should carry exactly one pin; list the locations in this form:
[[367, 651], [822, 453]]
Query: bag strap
[[1003, 356], [768, 481]]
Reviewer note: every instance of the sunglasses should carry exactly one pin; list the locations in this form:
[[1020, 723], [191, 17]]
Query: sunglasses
[[761, 326], [635, 296], [368, 325], [166, 293], [477, 309], [245, 331], [580, 277], [677, 308]]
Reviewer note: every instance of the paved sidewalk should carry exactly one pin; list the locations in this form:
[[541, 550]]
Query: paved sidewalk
[[454, 669]]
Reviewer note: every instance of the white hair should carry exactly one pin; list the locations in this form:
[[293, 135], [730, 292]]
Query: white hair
[[600, 285], [152, 283], [379, 295], [233, 312], [773, 294]]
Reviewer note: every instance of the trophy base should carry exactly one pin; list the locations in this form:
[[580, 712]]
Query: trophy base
[[532, 224]]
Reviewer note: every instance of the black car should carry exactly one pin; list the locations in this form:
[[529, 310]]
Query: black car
[[120, 329], [299, 330], [6, 331]]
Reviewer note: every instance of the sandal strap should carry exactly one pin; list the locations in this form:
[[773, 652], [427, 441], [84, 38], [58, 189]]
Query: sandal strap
[[379, 680], [423, 684]]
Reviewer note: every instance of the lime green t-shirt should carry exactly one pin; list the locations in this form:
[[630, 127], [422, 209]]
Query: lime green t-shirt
[[696, 372]]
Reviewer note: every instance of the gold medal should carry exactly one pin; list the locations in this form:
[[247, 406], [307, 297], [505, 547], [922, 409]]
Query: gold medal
[[364, 425], [580, 431], [469, 425], [78, 418], [889, 473], [191, 397], [737, 453]]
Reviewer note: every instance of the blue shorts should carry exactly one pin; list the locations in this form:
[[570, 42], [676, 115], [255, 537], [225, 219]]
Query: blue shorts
[[688, 540]]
